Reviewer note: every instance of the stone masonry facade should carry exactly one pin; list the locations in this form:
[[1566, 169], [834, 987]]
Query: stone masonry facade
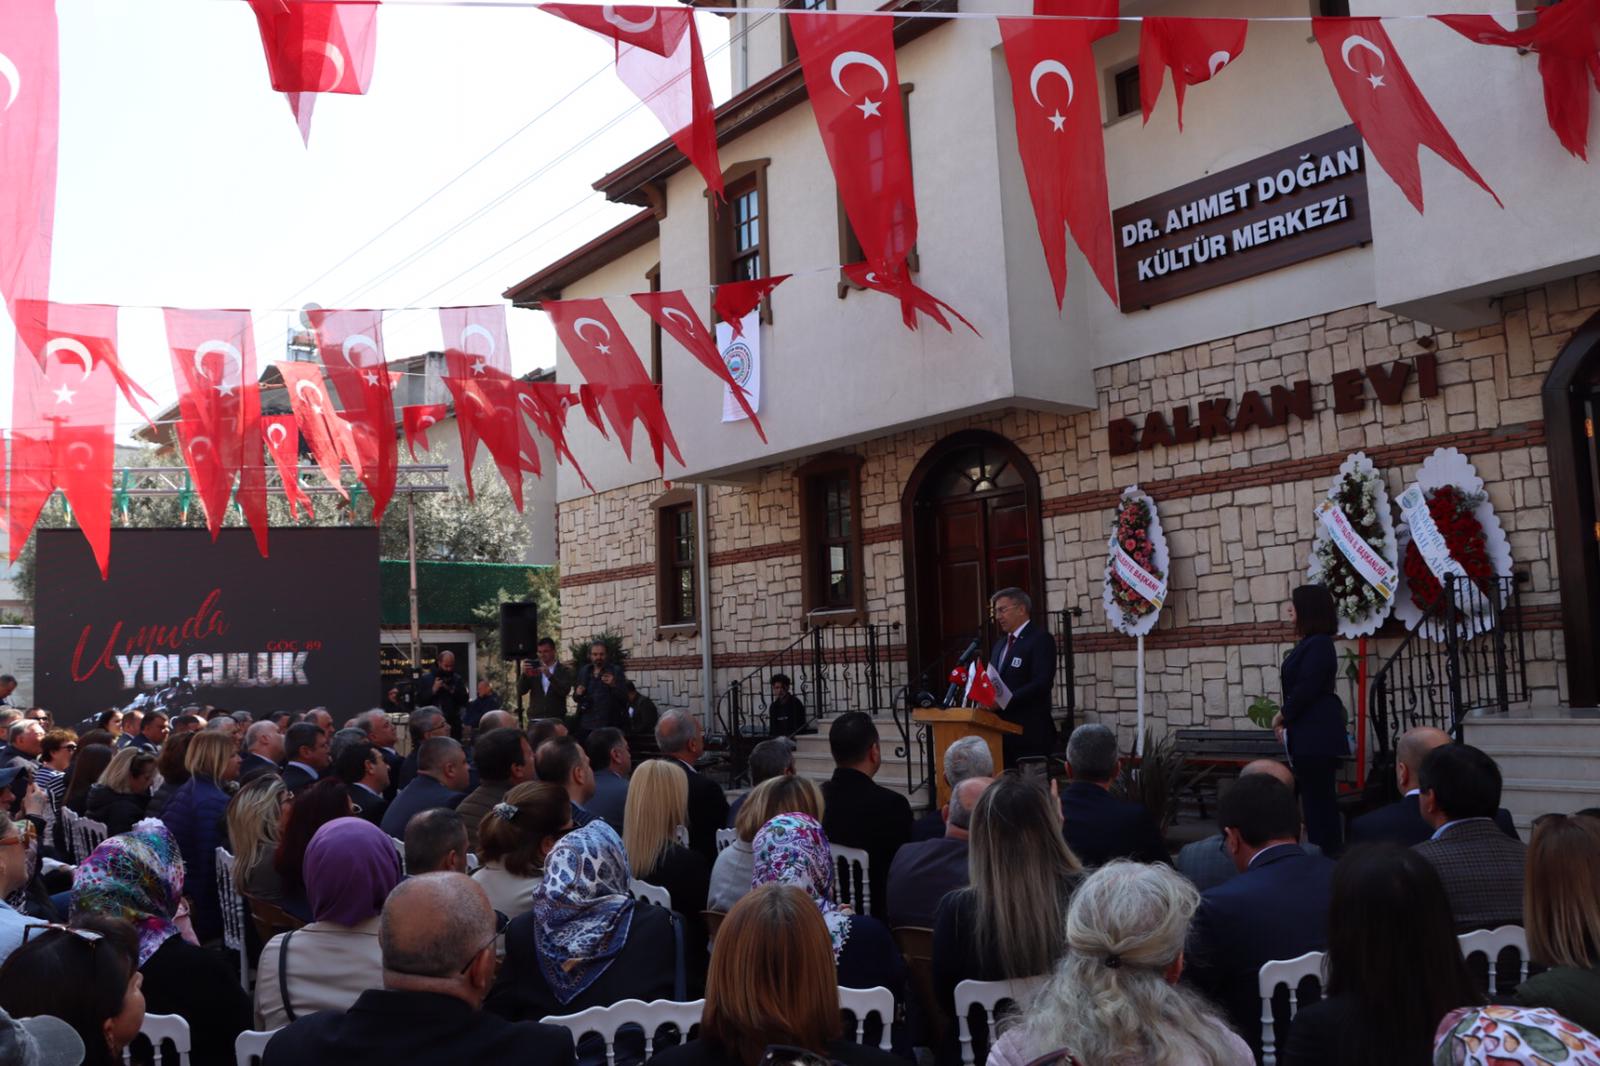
[[1237, 511]]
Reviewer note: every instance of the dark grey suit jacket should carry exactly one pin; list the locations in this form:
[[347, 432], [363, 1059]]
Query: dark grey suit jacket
[[1481, 869]]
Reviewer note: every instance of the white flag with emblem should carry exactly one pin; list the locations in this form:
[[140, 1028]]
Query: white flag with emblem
[[743, 356]]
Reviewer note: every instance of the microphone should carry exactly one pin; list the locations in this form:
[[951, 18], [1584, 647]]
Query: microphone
[[954, 692]]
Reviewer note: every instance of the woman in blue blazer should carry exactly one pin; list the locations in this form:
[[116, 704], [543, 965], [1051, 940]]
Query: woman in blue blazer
[[1312, 722]]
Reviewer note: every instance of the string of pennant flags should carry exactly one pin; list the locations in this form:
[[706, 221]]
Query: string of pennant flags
[[66, 386]]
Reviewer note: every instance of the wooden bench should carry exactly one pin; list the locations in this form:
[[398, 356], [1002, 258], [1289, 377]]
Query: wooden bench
[[1224, 750]]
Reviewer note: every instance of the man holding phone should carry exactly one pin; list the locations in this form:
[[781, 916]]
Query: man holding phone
[[602, 693]]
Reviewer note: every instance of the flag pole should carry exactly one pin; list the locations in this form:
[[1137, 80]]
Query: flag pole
[[1138, 743]]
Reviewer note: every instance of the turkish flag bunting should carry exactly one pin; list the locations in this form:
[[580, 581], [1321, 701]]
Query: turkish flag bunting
[[912, 299], [351, 345], [63, 407], [1566, 37], [35, 320], [314, 46], [980, 690], [1194, 49], [30, 103], [417, 419], [733, 300], [849, 67], [497, 417], [324, 431], [283, 443], [475, 343], [1385, 104], [673, 312], [219, 403], [602, 354], [546, 404], [590, 396], [1056, 101], [659, 58]]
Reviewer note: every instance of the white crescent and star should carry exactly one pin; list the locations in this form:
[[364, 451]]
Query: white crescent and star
[[843, 61], [476, 330], [282, 434], [73, 448], [628, 25], [13, 77], [64, 395], [605, 331], [358, 340], [1354, 41], [329, 51], [678, 315], [314, 396], [1218, 60], [425, 421], [72, 346], [227, 351], [1040, 70], [194, 447]]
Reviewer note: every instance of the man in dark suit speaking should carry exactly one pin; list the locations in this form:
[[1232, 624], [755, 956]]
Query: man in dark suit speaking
[[1026, 660]]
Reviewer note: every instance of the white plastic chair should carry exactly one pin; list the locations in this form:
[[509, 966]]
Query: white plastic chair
[[251, 1045], [606, 1021], [645, 892], [162, 1029], [865, 1002], [400, 846], [473, 865], [1491, 942], [988, 995], [681, 835], [233, 916], [1283, 972], [85, 834], [849, 864], [725, 837]]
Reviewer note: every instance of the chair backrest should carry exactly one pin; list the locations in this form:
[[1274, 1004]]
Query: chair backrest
[[726, 837], [162, 1029], [1491, 942], [400, 846], [233, 916], [645, 892], [270, 919], [681, 835], [88, 834], [713, 921], [865, 1002], [606, 1021], [916, 945], [988, 995], [1277, 973], [68, 820], [854, 877], [251, 1045]]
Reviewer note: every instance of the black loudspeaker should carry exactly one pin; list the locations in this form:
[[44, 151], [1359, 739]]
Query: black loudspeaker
[[519, 630]]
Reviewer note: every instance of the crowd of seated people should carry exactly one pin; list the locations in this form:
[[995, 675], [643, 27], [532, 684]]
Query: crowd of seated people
[[376, 944]]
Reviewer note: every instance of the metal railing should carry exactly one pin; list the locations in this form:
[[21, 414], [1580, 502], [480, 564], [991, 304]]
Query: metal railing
[[1466, 655]]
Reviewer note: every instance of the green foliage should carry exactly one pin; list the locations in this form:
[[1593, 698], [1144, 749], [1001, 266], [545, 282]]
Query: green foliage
[[1159, 779], [615, 652], [1262, 711]]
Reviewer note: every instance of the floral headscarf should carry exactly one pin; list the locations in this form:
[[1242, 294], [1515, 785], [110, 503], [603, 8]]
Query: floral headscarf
[[138, 877], [791, 849], [582, 909], [1508, 1036]]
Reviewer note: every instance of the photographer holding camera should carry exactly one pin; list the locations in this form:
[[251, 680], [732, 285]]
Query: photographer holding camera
[[602, 693], [447, 691]]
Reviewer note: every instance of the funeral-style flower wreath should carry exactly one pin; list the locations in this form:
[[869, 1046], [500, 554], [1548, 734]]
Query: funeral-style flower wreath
[[1359, 493], [1136, 529], [1460, 508], [1454, 511]]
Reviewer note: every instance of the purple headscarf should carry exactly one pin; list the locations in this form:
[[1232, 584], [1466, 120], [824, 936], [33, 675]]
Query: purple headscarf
[[351, 867]]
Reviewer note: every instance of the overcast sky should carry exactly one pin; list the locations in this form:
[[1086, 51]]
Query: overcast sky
[[183, 181]]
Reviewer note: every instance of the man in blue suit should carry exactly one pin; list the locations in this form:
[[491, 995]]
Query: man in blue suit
[[1026, 660], [1401, 822], [1277, 908]]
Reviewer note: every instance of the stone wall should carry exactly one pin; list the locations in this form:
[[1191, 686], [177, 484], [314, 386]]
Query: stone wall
[[1237, 510]]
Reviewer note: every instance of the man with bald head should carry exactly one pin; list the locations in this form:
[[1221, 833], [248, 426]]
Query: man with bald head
[[924, 871], [1206, 862], [437, 938], [496, 720], [1401, 822]]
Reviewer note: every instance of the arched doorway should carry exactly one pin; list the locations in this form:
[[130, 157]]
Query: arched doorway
[[1571, 414], [970, 525]]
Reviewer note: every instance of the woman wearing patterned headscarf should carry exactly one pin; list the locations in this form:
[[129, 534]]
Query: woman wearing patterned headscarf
[[351, 866], [138, 877], [587, 942], [1507, 1036], [792, 850]]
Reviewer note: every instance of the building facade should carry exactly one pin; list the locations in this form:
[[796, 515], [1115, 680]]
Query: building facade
[[908, 475]]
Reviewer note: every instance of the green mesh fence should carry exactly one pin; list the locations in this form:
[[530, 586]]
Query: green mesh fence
[[448, 594]]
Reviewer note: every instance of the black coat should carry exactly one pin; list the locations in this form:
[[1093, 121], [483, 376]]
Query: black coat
[[384, 1028], [1030, 673], [705, 1053], [601, 704], [252, 766], [1401, 822], [922, 874], [1099, 827], [118, 810], [644, 969], [296, 779], [367, 806], [201, 985], [1313, 716], [686, 876], [708, 810], [451, 699], [859, 813]]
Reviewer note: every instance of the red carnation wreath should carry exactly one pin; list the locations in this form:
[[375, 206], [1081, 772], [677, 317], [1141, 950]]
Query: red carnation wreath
[[1133, 534], [1453, 512]]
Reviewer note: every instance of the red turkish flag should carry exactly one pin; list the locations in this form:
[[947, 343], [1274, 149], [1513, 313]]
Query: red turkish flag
[[602, 354], [417, 418], [1566, 36], [1385, 104], [912, 299], [219, 400], [324, 431], [980, 689], [475, 343], [1196, 50], [590, 396], [673, 312], [497, 417], [35, 319], [1056, 100], [659, 58], [283, 444], [314, 46], [30, 103], [546, 404], [733, 300], [849, 67], [63, 408], [351, 345]]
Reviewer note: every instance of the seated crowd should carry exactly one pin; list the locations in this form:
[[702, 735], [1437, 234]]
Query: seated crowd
[[441, 906]]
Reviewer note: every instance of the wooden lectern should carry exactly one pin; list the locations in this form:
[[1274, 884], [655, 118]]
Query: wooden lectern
[[951, 724]]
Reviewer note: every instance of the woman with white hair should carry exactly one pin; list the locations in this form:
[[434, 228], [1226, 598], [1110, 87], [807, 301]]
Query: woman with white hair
[[1115, 996]]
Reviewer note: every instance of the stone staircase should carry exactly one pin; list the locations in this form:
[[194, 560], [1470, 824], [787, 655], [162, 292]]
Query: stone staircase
[[1549, 759], [813, 760]]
